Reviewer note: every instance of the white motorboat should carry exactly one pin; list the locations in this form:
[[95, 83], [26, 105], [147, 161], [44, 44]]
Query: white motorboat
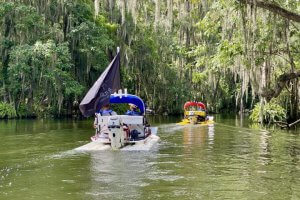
[[124, 132]]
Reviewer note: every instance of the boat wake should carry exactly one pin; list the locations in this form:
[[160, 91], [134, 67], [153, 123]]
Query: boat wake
[[144, 145], [96, 146], [169, 128], [65, 154]]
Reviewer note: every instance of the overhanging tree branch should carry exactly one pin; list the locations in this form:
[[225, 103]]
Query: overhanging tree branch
[[281, 81], [272, 7]]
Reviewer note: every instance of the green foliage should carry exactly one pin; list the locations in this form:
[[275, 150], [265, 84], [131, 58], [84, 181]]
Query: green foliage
[[199, 77], [121, 109], [271, 112], [25, 112], [51, 54], [46, 65], [7, 111], [211, 51]]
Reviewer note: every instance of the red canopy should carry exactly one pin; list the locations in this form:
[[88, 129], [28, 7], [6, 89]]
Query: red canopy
[[192, 103]]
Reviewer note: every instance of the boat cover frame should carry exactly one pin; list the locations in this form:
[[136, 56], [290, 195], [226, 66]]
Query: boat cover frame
[[128, 98], [193, 103]]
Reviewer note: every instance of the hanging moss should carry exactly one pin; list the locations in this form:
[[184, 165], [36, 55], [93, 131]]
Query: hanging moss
[[224, 53]]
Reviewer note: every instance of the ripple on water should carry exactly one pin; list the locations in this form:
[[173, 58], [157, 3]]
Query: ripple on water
[[215, 162]]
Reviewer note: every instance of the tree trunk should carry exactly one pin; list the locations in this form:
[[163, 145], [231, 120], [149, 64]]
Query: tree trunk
[[294, 82], [187, 28], [123, 11], [170, 14], [273, 7], [111, 8], [8, 27], [280, 83], [157, 14], [96, 4]]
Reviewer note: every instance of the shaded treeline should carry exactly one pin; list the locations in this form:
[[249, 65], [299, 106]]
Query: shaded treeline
[[233, 55], [51, 52]]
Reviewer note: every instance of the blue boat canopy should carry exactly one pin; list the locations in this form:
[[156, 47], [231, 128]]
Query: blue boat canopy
[[128, 98]]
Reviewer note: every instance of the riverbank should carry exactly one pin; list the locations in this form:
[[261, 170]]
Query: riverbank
[[240, 119]]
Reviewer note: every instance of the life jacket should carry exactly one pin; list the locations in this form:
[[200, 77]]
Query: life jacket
[[105, 112], [133, 113]]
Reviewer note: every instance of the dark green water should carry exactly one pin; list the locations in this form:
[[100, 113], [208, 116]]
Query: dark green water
[[230, 160]]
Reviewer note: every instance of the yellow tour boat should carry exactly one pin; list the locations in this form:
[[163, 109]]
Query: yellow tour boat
[[195, 113]]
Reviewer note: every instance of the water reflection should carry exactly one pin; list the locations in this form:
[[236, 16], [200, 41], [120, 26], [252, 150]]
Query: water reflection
[[211, 134], [224, 161], [197, 135], [20, 127], [118, 174], [239, 120], [264, 150], [194, 135]]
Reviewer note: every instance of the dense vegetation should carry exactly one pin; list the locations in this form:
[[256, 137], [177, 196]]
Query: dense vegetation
[[233, 55]]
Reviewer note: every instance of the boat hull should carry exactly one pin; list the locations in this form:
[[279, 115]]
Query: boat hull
[[204, 123], [103, 144]]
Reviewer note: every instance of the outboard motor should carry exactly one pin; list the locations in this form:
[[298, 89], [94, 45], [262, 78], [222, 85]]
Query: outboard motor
[[116, 134]]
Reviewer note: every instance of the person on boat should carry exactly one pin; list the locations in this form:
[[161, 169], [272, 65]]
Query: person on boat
[[200, 109], [103, 130], [134, 131], [106, 111], [133, 110]]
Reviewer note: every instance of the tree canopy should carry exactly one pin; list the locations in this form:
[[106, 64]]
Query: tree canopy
[[232, 54]]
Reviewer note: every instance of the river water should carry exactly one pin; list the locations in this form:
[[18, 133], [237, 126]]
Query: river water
[[231, 159]]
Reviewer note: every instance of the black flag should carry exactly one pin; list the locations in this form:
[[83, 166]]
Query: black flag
[[99, 94]]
